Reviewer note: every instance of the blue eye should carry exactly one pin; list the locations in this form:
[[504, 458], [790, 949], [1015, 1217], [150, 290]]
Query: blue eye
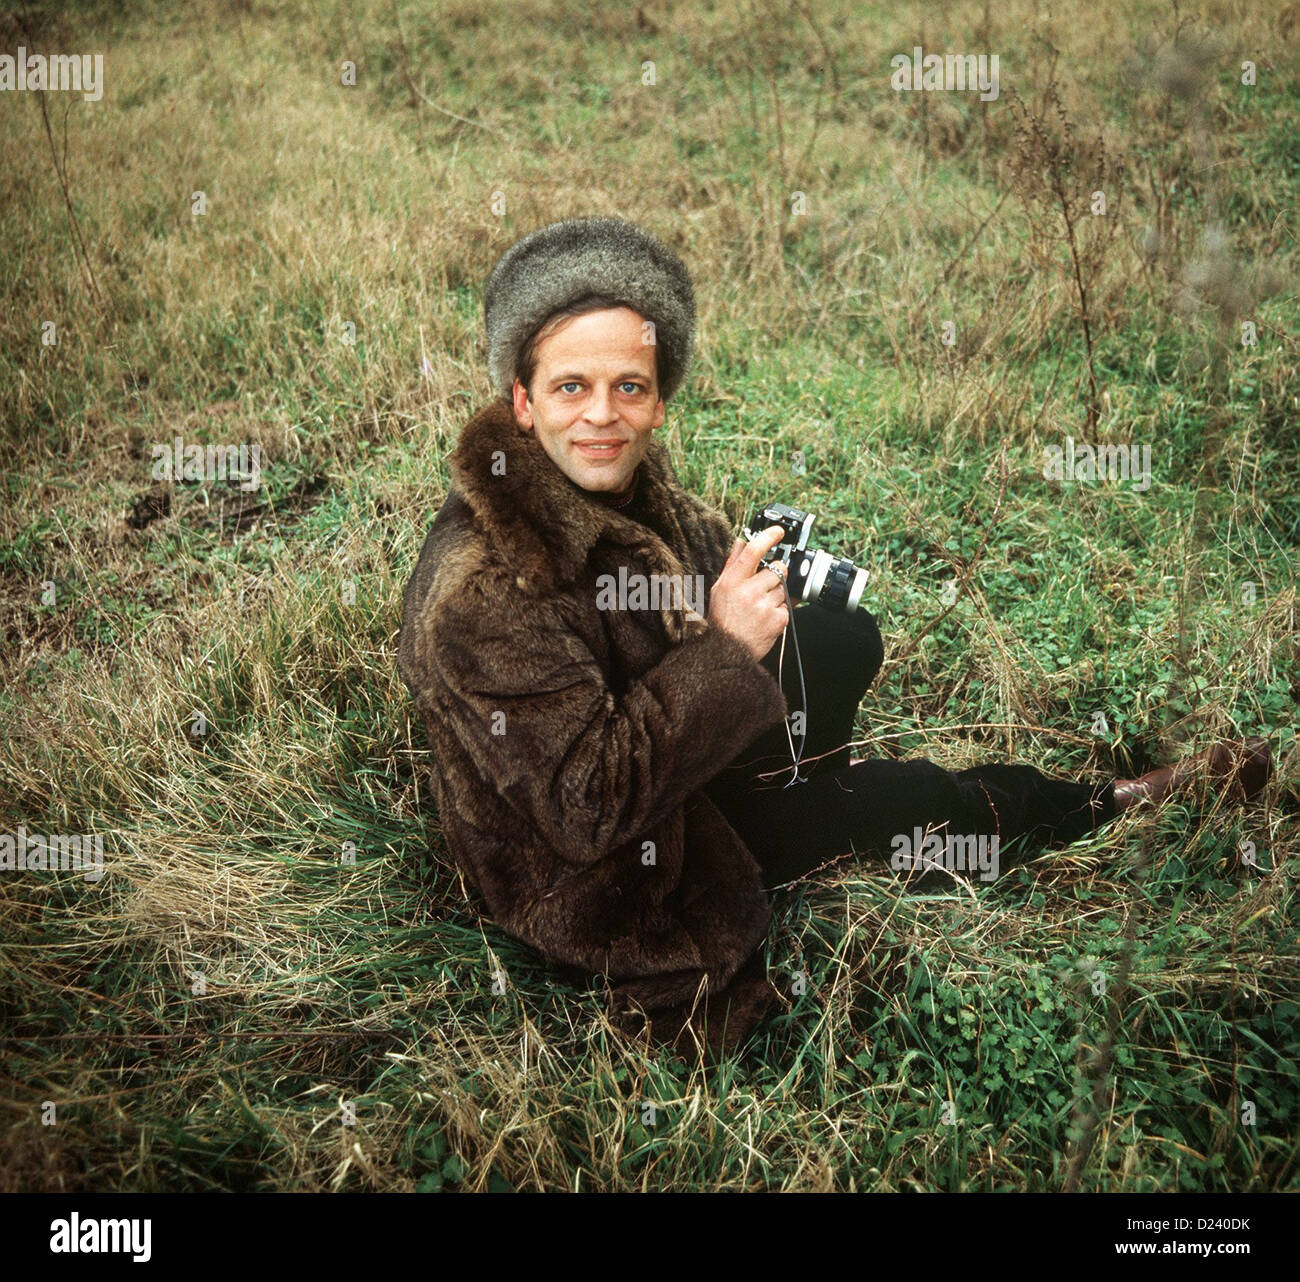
[[564, 385], [636, 387]]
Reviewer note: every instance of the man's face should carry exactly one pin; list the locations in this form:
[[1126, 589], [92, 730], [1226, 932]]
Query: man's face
[[594, 385]]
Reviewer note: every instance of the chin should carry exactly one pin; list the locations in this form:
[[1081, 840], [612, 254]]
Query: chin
[[604, 483], [594, 477]]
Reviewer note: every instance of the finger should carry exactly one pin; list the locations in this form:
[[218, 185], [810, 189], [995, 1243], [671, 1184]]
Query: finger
[[758, 547]]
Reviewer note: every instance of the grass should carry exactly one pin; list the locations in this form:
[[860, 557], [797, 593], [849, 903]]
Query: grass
[[281, 983]]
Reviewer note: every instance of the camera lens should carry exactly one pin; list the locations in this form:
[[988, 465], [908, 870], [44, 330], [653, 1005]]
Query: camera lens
[[835, 582]]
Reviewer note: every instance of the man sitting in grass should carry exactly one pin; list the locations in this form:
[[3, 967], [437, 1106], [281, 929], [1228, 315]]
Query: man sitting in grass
[[604, 763]]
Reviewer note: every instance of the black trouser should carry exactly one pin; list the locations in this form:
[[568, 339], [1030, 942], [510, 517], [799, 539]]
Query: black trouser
[[869, 807]]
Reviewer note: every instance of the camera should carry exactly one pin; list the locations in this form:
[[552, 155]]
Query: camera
[[811, 574]]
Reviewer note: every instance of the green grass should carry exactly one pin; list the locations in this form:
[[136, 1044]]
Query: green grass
[[281, 983]]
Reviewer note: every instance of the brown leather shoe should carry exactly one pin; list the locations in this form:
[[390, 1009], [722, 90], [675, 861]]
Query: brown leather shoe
[[1244, 766]]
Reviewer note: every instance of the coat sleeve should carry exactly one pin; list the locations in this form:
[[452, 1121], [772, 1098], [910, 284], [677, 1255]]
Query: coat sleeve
[[589, 770]]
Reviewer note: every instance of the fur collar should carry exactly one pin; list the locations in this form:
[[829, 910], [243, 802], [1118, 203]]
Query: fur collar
[[539, 520]]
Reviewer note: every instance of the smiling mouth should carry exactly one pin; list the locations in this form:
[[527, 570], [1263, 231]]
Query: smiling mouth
[[600, 449]]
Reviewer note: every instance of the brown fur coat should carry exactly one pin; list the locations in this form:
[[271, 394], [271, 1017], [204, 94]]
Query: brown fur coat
[[571, 742]]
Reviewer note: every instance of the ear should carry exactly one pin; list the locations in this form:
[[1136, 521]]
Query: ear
[[659, 415], [522, 406]]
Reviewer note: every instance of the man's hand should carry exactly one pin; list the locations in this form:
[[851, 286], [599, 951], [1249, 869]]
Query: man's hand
[[749, 602]]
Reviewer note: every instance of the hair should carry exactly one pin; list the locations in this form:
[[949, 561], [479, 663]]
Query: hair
[[527, 365]]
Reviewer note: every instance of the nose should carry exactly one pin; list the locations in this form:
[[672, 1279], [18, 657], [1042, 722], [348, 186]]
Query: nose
[[600, 409]]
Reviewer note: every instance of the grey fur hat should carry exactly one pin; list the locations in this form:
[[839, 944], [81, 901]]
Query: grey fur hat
[[564, 262]]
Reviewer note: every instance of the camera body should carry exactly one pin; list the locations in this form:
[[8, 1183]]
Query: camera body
[[811, 574]]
